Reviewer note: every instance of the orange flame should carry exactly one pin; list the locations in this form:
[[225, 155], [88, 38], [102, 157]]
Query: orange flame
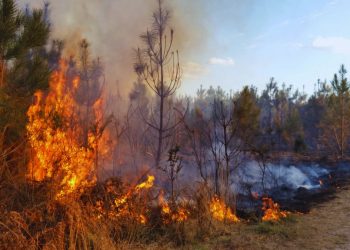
[[180, 214], [220, 211], [122, 206], [272, 210], [54, 134], [146, 184]]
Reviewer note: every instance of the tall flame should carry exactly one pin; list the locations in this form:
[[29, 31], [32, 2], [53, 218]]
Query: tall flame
[[56, 148]]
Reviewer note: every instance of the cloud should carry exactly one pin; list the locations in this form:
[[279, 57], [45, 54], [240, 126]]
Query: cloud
[[193, 70], [222, 61], [339, 45]]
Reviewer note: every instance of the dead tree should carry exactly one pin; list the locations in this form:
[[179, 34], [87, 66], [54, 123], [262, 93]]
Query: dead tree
[[198, 142], [160, 69], [226, 146]]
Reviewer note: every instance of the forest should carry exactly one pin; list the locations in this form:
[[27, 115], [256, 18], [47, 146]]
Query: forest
[[82, 167]]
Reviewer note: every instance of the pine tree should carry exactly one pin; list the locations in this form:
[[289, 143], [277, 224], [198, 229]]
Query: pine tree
[[160, 68], [336, 123], [24, 66]]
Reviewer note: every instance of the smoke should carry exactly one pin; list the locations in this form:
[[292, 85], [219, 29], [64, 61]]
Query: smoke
[[113, 28], [293, 177]]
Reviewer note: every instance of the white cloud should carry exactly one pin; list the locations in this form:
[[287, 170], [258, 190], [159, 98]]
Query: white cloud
[[193, 70], [338, 45], [222, 61]]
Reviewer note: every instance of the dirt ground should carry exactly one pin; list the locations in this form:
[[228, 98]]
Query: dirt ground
[[327, 226]]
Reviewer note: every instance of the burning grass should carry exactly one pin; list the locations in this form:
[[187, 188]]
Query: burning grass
[[61, 204], [172, 212], [272, 211], [95, 221], [221, 212]]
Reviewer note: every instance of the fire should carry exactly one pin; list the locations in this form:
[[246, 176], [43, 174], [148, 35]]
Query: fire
[[54, 131], [178, 214], [272, 210], [221, 211], [144, 185], [122, 206], [147, 184]]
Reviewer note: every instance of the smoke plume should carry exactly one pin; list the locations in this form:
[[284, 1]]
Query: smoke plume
[[113, 28]]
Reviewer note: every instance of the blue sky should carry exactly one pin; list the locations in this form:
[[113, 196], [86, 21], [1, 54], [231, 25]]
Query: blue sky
[[250, 41]]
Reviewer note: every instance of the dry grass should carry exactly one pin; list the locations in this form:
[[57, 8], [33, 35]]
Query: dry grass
[[31, 219], [42, 223], [71, 226], [327, 226]]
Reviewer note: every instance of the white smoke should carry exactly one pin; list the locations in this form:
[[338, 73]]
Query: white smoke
[[113, 28], [278, 175]]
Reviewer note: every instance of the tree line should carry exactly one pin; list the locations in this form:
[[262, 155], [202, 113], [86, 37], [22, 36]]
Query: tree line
[[215, 130]]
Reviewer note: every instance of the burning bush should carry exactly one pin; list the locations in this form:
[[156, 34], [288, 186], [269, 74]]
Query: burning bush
[[57, 152]]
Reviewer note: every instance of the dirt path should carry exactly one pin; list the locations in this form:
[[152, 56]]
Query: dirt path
[[327, 226]]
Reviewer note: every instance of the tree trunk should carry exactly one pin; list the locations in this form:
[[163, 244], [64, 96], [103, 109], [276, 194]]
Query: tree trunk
[[162, 97], [2, 72], [342, 128]]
